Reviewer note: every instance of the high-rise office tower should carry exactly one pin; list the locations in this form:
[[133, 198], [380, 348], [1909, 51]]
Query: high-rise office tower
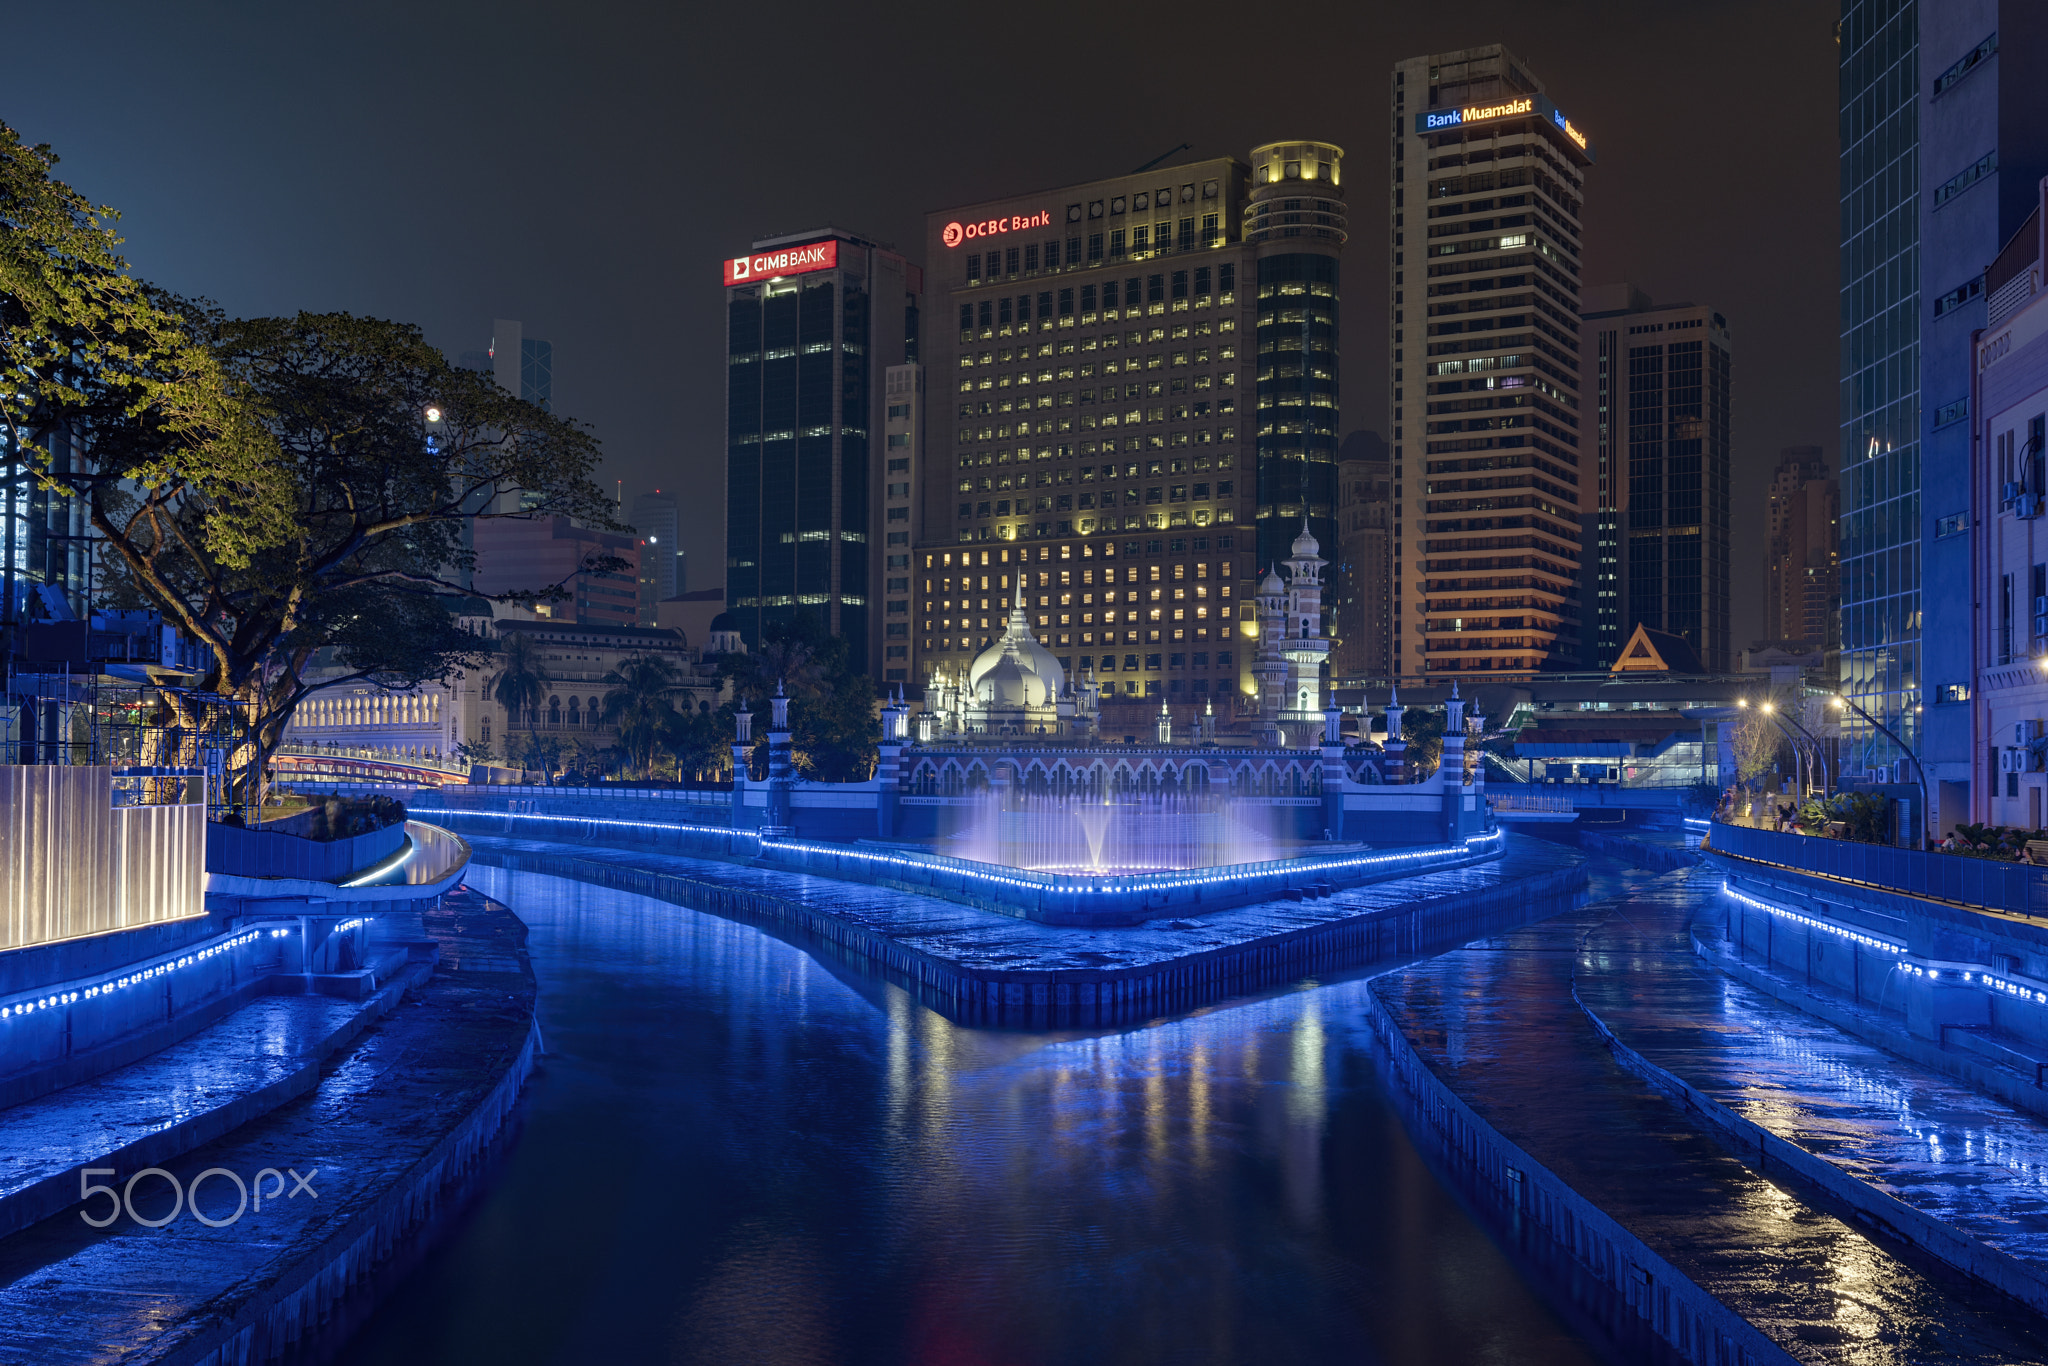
[[814, 322], [1094, 421], [903, 472], [1488, 482], [1656, 460], [525, 365], [1363, 581], [1942, 149], [656, 524], [1801, 576]]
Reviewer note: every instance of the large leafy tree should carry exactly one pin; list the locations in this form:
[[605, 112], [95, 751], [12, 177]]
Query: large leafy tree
[[287, 491], [83, 343]]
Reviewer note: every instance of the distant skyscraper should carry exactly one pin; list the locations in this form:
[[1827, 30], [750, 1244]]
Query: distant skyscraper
[[1363, 582], [814, 321], [1656, 458], [525, 365], [1802, 574], [655, 524], [1488, 488]]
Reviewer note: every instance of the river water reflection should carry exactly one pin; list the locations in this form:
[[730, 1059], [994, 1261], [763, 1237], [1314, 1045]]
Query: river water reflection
[[734, 1154]]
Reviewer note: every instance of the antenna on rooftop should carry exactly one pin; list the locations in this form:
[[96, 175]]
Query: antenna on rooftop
[[1184, 147]]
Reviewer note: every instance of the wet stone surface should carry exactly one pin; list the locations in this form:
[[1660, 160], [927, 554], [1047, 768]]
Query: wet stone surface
[[970, 938], [264, 1042], [1935, 1144], [1497, 1022], [72, 1293]]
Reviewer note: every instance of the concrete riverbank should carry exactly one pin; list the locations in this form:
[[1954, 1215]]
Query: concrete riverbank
[[390, 1132], [1522, 1092], [976, 967]]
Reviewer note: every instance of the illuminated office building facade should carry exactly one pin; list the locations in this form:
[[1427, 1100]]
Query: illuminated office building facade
[[1657, 460], [1489, 487], [814, 324], [1133, 404]]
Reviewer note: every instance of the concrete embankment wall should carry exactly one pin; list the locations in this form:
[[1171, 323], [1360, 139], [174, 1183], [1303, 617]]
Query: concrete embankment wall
[[1695, 1323], [60, 1025], [1662, 858], [1763, 1149], [293, 1308], [1084, 997]]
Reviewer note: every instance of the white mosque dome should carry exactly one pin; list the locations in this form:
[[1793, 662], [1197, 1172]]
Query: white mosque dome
[[1271, 583], [1015, 670], [1306, 546]]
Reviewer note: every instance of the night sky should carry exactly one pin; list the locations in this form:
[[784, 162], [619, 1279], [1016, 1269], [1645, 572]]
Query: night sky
[[584, 167]]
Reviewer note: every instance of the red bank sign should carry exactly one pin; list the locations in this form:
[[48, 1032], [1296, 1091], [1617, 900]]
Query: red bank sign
[[783, 261], [956, 233]]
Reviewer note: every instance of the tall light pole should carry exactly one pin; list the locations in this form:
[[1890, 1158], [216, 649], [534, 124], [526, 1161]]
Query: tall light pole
[[1819, 751], [1770, 710], [1919, 774]]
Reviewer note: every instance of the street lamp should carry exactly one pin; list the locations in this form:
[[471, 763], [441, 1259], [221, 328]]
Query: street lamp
[[1819, 751], [1919, 774], [1770, 709]]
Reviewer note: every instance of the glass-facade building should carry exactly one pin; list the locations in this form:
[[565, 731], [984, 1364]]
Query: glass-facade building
[[1942, 153], [1295, 229], [1658, 550], [806, 353], [1880, 392]]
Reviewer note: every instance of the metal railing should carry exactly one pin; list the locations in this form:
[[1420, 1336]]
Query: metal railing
[[1983, 884]]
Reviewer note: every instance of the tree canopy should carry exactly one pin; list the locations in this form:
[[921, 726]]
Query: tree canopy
[[287, 491]]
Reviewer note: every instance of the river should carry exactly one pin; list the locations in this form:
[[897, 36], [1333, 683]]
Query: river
[[735, 1154]]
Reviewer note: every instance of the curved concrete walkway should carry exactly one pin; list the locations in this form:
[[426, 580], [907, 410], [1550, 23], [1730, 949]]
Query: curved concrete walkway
[[1496, 1022]]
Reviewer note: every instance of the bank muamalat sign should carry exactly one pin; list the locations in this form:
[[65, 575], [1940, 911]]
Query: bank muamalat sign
[[1436, 120], [956, 232], [783, 261]]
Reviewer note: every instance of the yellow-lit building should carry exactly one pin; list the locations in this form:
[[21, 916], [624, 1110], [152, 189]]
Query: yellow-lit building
[[1107, 365]]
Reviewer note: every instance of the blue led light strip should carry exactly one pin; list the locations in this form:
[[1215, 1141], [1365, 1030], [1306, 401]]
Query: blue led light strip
[[1277, 872], [1872, 941], [27, 1004], [2017, 990]]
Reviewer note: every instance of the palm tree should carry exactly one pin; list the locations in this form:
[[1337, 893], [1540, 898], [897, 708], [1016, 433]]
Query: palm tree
[[637, 703], [522, 684]]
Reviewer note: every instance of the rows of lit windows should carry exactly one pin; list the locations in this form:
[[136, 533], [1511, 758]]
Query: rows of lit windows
[[1117, 245]]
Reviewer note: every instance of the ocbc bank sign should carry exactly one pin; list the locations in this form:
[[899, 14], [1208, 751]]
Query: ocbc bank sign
[[956, 232]]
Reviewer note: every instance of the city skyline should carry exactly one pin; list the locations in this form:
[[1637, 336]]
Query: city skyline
[[640, 323]]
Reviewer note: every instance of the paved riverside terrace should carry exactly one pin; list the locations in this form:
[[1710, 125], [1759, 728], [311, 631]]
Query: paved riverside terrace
[[378, 1127], [221, 1071], [1976, 1164], [1496, 1022], [967, 938]]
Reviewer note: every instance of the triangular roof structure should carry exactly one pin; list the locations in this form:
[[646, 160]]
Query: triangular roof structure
[[1651, 651]]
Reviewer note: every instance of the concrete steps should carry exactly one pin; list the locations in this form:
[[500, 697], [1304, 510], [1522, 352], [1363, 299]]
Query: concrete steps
[[258, 1058]]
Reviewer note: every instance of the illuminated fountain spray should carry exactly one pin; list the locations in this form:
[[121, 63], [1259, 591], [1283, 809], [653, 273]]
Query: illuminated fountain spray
[[1120, 832]]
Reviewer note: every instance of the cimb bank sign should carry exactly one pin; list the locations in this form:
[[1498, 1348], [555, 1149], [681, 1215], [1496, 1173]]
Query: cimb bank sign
[[783, 261]]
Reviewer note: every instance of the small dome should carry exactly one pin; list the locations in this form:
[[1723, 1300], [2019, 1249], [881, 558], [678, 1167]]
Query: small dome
[[1271, 583], [1306, 546], [725, 621]]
